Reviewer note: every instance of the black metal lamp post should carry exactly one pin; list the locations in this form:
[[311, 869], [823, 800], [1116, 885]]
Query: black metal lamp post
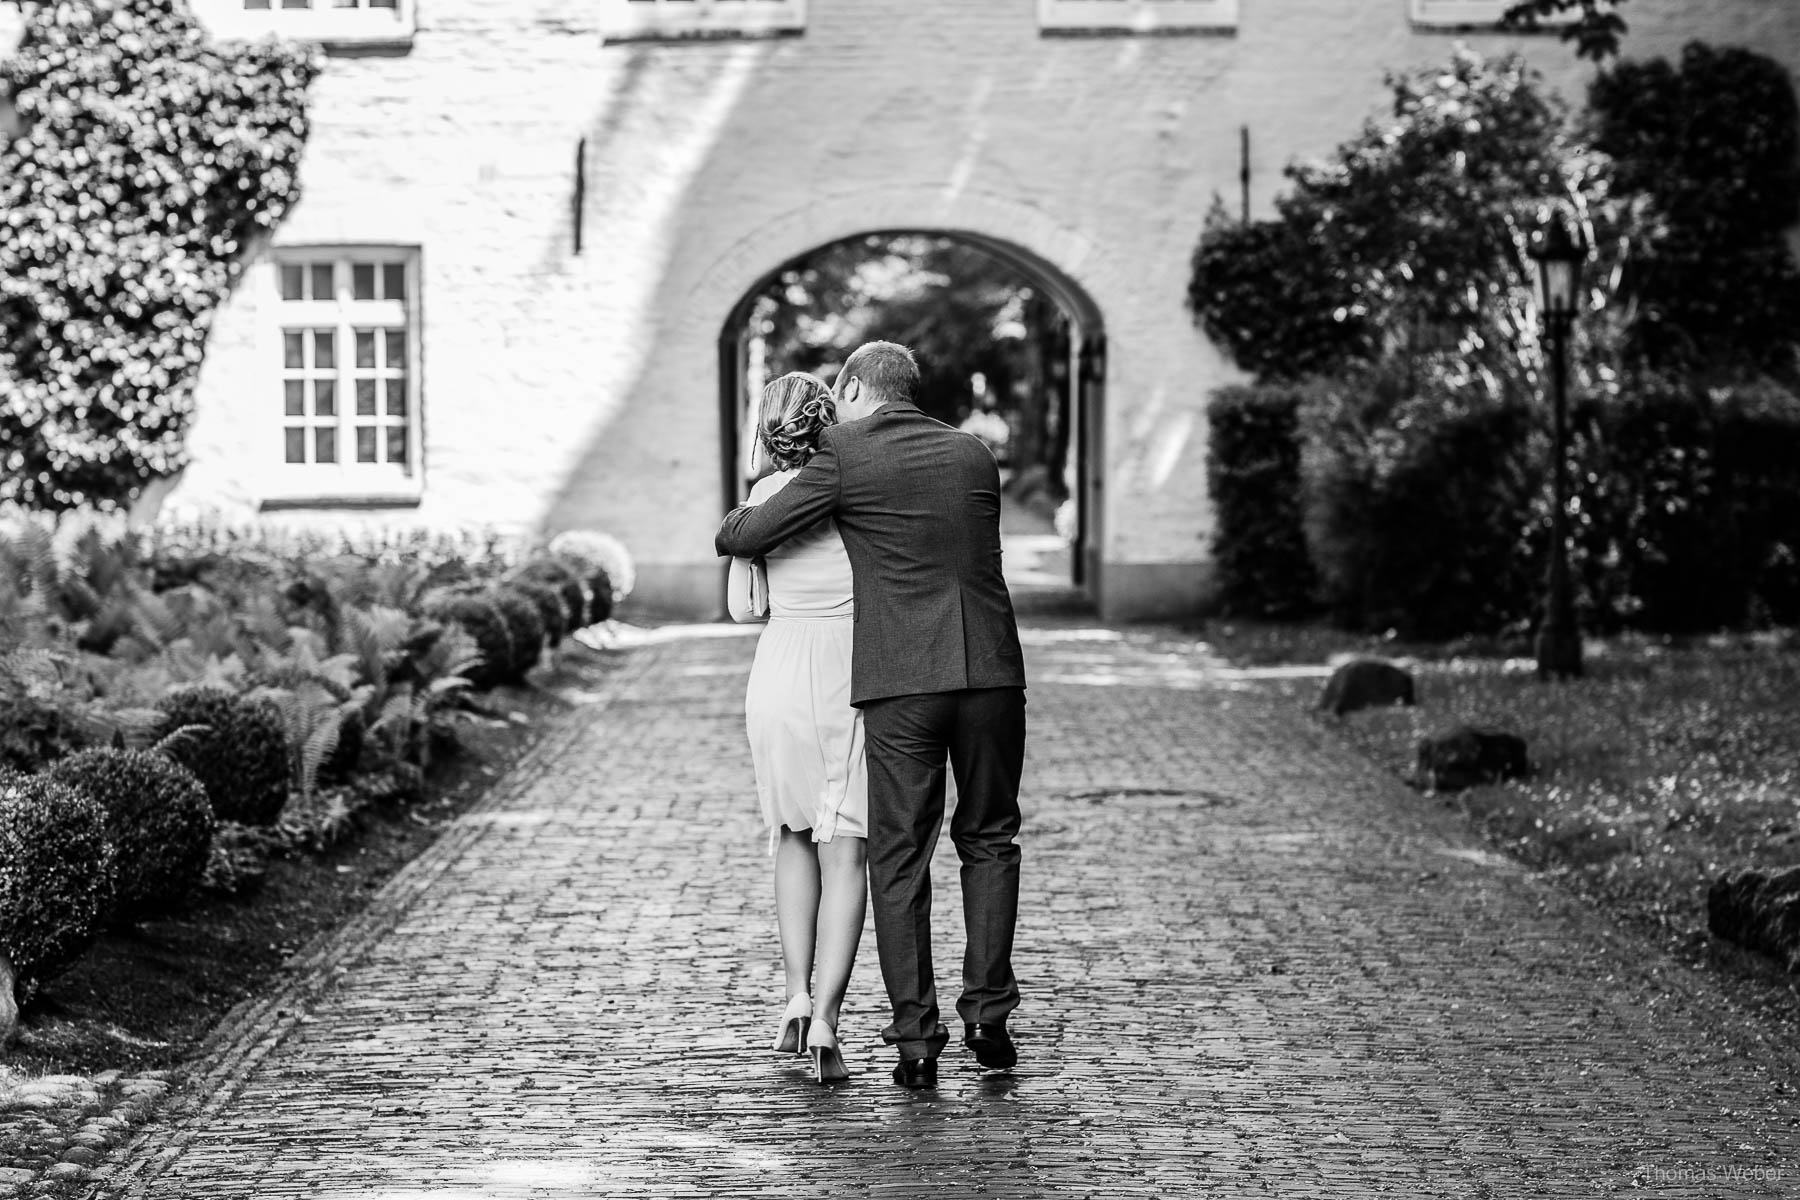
[[1559, 254]]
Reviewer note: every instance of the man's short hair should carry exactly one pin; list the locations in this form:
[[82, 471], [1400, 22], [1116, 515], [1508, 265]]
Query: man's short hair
[[886, 369]]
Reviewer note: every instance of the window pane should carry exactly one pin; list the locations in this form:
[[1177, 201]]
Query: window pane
[[293, 350], [296, 398], [396, 348], [381, 3], [324, 348], [343, 3], [393, 281], [324, 281], [291, 281], [365, 347], [256, 3], [324, 398], [365, 397], [365, 443], [325, 443], [397, 444], [296, 444], [296, 3], [396, 397], [362, 280]]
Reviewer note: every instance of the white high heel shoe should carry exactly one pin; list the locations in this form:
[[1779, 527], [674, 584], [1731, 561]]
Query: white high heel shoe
[[790, 1035], [827, 1059]]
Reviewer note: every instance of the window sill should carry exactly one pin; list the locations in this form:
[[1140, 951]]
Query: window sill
[[363, 503], [702, 33], [1125, 31]]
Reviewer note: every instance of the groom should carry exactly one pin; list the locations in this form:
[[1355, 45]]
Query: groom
[[938, 675]]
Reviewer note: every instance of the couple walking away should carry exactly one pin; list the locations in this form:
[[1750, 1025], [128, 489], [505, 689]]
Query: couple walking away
[[891, 649]]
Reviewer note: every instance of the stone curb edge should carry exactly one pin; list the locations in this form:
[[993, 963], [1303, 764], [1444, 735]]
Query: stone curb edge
[[258, 1025]]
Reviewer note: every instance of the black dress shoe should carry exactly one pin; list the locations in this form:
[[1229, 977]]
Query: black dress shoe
[[916, 1073], [992, 1045]]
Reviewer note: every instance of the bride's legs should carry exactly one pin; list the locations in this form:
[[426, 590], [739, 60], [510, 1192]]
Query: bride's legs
[[797, 906], [843, 899]]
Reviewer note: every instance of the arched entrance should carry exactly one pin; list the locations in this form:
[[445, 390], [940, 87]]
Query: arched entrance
[[1046, 571]]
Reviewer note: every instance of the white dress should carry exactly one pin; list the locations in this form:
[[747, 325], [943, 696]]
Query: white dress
[[805, 739]]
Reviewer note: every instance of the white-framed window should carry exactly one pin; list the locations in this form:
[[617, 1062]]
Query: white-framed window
[[1469, 14], [654, 20], [333, 22], [344, 404], [1137, 16]]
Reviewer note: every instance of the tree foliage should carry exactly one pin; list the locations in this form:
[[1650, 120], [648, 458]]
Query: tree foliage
[[149, 162], [1410, 239], [1595, 28], [1715, 142]]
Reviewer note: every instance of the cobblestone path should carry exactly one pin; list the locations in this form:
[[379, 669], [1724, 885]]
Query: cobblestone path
[[1253, 966]]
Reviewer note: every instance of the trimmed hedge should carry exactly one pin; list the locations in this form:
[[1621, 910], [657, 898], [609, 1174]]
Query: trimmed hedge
[[485, 624], [1253, 477], [56, 876], [157, 817], [1429, 514], [524, 625], [563, 577], [240, 757], [548, 601]]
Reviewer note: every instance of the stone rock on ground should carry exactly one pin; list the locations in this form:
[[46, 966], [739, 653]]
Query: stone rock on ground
[[1468, 756], [1367, 683], [1760, 911]]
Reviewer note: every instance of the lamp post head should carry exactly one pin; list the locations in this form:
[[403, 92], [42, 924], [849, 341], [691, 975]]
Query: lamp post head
[[1558, 254]]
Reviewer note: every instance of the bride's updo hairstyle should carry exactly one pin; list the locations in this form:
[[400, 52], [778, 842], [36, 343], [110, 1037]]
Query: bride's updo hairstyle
[[796, 409]]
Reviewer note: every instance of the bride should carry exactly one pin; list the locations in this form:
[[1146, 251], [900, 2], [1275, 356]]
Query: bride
[[806, 741]]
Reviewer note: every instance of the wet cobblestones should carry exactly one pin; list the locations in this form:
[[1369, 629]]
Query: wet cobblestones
[[1252, 965]]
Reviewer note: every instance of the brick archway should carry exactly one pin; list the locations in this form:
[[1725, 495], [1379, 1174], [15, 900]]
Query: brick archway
[[1018, 235]]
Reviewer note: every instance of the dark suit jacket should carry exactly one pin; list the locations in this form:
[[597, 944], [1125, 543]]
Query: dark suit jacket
[[918, 504]]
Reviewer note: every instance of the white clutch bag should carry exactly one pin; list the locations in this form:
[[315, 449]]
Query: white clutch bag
[[747, 591]]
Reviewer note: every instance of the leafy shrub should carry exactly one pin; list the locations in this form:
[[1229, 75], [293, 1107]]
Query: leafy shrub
[[240, 757], [1690, 505], [484, 623], [1419, 507], [1347, 274], [157, 817], [565, 579], [525, 627], [56, 875], [44, 708], [548, 600], [602, 561], [149, 162], [1253, 477], [1716, 143]]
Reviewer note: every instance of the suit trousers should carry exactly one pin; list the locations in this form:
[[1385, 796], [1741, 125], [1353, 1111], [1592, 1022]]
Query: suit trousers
[[981, 732]]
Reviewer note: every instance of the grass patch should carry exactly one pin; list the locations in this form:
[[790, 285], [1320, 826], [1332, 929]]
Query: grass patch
[[1668, 764]]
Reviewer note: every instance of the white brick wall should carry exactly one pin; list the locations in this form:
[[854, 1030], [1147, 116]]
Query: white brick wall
[[563, 390]]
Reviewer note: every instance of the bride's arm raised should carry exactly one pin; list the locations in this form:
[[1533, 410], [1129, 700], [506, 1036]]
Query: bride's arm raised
[[753, 529]]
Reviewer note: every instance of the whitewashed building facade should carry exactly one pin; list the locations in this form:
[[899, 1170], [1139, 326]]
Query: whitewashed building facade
[[507, 297]]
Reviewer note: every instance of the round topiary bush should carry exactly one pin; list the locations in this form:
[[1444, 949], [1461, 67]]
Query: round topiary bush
[[525, 626], [158, 819], [567, 582], [549, 603], [601, 560], [477, 616], [240, 758], [56, 876]]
